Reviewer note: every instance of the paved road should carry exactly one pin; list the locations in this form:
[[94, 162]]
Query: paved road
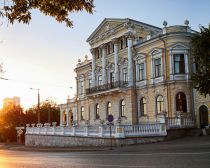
[[188, 152]]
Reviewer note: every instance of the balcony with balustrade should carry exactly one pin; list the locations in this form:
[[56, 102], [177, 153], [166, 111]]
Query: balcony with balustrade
[[116, 86]]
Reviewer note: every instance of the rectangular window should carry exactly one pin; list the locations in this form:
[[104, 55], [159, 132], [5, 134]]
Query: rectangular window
[[98, 53], [90, 82], [81, 87], [125, 75], [99, 80], [141, 71], [82, 113], [179, 64], [109, 48], [157, 64], [112, 78], [121, 44]]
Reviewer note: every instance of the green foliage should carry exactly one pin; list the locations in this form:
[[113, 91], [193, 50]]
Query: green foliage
[[20, 10], [13, 116], [201, 52], [46, 109]]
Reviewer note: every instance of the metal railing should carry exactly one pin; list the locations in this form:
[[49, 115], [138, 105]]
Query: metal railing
[[108, 86]]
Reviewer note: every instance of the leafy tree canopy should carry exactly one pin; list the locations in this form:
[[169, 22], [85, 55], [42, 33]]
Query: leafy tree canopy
[[20, 10], [201, 52]]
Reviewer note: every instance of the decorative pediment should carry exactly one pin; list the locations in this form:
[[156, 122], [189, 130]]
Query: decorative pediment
[[123, 61], [178, 46], [155, 51], [110, 66], [106, 27], [98, 69], [139, 56], [109, 25]]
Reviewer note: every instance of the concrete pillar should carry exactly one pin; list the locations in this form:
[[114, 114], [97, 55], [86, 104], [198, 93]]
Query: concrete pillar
[[61, 117], [93, 68], [116, 60], [67, 118], [104, 78]]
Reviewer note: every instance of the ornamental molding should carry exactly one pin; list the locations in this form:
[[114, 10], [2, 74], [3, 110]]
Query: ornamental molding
[[110, 66], [123, 61], [140, 56], [98, 69], [155, 51], [178, 46]]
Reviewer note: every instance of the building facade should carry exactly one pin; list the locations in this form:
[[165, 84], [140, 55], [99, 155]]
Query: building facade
[[137, 72]]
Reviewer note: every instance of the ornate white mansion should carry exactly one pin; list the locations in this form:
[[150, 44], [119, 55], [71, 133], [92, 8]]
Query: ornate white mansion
[[137, 71], [140, 74]]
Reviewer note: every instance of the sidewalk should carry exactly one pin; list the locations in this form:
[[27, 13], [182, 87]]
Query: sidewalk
[[22, 147]]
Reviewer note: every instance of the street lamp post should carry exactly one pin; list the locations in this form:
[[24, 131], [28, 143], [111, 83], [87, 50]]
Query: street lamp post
[[38, 105]]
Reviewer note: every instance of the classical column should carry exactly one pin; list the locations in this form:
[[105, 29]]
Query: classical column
[[130, 59], [171, 66], [186, 65], [116, 60], [104, 79], [93, 67]]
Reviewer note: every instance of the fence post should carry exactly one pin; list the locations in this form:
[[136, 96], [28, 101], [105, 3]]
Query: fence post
[[119, 131], [86, 130], [101, 131]]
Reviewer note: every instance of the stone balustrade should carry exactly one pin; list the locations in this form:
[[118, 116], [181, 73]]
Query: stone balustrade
[[180, 122], [117, 131]]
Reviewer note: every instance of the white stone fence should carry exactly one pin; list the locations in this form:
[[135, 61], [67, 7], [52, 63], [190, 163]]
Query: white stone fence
[[117, 131], [180, 122]]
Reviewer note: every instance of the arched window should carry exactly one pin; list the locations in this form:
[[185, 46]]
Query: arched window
[[122, 108], [181, 102], [109, 105], [143, 106], [82, 113], [159, 104], [97, 111]]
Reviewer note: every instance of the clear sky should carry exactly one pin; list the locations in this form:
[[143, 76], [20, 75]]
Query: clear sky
[[44, 53]]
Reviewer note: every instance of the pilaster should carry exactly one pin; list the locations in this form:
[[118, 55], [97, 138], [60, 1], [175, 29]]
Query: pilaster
[[116, 59], [93, 67], [104, 79]]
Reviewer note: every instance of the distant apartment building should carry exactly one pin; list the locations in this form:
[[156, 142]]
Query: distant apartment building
[[9, 102]]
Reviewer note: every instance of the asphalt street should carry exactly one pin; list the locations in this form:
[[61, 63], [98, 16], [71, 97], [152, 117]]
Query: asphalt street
[[190, 152]]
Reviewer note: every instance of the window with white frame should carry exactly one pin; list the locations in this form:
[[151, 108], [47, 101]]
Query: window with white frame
[[157, 67], [109, 106], [159, 104], [141, 71], [143, 106], [97, 111], [99, 80], [122, 108], [112, 78], [82, 113], [125, 75], [89, 82], [179, 67], [179, 64], [81, 87]]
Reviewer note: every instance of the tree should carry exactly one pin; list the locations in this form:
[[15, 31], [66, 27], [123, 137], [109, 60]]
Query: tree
[[11, 117], [20, 10], [47, 109], [201, 52]]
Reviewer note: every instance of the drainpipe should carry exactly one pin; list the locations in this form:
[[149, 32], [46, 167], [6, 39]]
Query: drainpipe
[[165, 74]]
